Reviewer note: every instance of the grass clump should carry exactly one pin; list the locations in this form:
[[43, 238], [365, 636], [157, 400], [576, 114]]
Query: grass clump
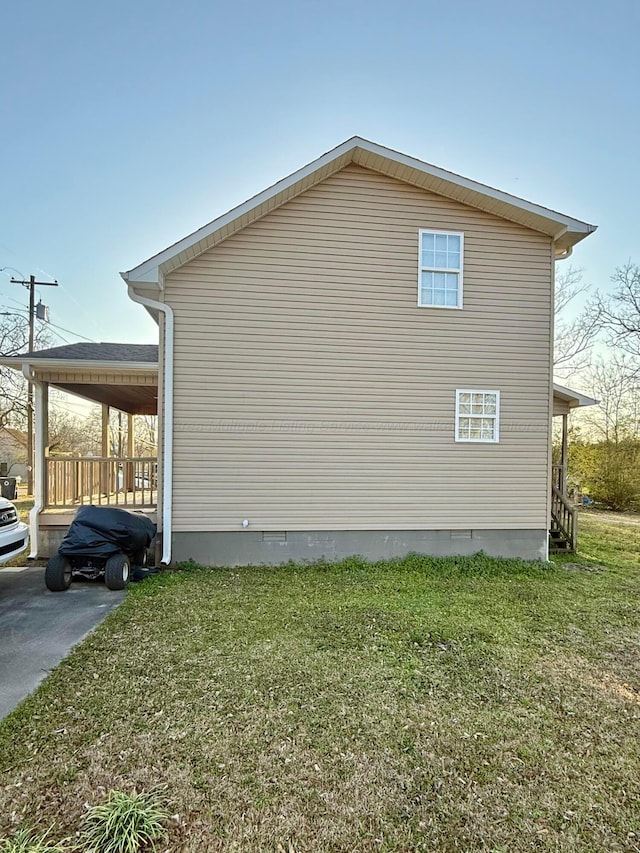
[[126, 823], [27, 841]]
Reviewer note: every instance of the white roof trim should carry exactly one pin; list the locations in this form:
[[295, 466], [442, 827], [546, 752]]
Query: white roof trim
[[355, 150], [574, 398], [73, 364]]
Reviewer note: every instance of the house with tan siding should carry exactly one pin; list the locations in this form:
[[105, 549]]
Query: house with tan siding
[[358, 360]]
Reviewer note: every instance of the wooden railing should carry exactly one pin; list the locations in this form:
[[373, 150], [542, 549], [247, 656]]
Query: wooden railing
[[558, 478], [564, 517], [104, 481]]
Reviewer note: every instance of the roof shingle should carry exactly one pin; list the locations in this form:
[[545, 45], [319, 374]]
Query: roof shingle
[[140, 353]]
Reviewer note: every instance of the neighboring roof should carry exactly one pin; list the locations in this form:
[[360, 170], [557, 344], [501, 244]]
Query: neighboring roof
[[138, 353], [18, 435], [574, 398], [565, 230]]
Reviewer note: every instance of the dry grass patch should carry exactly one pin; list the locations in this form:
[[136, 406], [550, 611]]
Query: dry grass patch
[[412, 705]]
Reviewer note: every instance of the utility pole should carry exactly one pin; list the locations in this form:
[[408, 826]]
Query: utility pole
[[31, 284]]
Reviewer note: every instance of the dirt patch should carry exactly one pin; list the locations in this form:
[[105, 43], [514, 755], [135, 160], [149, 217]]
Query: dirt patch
[[579, 669], [583, 567]]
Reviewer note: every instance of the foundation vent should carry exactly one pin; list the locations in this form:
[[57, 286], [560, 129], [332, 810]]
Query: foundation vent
[[275, 537]]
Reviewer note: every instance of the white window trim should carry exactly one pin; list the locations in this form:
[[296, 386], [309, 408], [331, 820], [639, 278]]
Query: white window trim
[[496, 432], [422, 269]]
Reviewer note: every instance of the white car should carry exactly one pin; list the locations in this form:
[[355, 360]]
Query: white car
[[14, 535]]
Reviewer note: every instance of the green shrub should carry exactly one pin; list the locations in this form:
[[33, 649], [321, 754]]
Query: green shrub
[[126, 823], [26, 841], [609, 472]]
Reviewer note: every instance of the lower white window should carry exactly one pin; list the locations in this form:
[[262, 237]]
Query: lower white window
[[477, 415]]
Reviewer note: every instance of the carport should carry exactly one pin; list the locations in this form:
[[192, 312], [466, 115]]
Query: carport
[[116, 376]]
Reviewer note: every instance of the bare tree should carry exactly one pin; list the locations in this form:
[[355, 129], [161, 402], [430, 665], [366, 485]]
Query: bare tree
[[611, 382], [146, 436], [14, 340], [618, 313], [71, 434], [574, 335]]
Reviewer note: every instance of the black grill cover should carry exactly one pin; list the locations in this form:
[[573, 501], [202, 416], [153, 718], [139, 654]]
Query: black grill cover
[[100, 531]]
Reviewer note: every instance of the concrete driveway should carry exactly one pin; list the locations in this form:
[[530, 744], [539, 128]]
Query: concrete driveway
[[38, 627]]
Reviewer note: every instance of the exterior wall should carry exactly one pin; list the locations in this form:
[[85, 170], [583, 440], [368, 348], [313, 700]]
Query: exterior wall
[[272, 549], [312, 394]]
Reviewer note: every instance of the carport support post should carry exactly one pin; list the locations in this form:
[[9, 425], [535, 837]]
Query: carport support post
[[105, 430], [130, 449], [104, 485], [565, 454], [130, 435]]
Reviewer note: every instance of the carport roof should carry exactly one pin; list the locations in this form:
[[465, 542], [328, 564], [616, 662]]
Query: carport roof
[[124, 376], [141, 353]]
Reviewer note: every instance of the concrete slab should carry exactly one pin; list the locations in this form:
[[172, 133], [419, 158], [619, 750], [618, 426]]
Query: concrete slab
[[38, 628]]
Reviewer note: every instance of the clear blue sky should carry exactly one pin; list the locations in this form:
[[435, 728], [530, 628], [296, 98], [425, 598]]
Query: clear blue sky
[[126, 125]]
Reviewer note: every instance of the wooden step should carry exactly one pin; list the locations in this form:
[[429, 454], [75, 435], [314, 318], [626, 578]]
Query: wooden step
[[558, 543]]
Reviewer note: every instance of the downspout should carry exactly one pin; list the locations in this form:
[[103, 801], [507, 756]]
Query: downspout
[[167, 402], [38, 453]]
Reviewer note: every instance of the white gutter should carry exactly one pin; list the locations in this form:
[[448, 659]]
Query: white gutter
[[84, 364], [167, 417], [38, 453]]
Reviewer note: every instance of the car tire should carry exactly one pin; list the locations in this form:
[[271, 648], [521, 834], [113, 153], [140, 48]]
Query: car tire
[[58, 573], [117, 571]]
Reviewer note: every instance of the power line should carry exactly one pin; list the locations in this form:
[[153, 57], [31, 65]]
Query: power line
[[61, 337], [31, 285], [2, 269], [49, 323], [62, 328]]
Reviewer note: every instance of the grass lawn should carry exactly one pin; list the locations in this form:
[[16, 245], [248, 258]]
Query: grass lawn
[[440, 705]]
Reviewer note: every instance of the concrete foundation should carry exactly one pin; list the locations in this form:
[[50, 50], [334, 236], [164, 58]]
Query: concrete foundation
[[49, 541], [273, 548]]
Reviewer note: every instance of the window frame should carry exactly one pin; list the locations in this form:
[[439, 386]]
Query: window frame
[[496, 417], [422, 269]]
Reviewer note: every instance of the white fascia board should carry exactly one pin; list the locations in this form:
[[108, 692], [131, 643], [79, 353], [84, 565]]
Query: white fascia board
[[565, 223], [17, 362], [148, 272], [574, 398]]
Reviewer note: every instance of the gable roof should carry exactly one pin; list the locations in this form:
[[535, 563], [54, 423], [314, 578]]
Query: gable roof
[[136, 353], [565, 230]]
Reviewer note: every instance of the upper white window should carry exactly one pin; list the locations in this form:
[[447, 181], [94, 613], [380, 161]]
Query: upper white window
[[440, 269], [477, 415]]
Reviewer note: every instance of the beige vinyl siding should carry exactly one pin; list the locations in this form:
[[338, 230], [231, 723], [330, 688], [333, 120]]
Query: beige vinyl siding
[[312, 393]]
